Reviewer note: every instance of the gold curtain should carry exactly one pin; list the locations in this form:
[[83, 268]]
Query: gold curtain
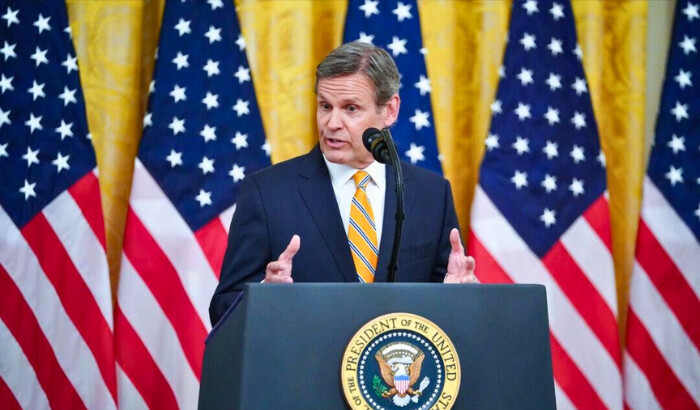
[[115, 41]]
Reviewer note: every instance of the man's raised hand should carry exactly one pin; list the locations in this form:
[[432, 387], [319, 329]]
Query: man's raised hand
[[280, 271], [460, 267]]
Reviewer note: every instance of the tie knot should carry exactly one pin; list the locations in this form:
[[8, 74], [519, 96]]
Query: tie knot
[[361, 179]]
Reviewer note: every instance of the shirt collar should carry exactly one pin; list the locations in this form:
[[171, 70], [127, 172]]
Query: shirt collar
[[341, 173]]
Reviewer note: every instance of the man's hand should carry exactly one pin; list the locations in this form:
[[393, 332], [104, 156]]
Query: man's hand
[[460, 267], [280, 271]]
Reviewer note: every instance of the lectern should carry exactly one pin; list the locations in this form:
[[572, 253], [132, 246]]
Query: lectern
[[283, 346]]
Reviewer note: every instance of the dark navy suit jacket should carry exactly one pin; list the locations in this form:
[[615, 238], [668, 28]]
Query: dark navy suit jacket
[[296, 197]]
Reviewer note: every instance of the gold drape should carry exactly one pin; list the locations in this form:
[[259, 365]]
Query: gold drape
[[115, 41]]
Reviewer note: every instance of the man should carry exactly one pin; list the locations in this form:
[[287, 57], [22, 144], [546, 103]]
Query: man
[[314, 218]]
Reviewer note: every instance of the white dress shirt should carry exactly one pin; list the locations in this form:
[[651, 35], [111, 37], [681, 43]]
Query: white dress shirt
[[344, 189]]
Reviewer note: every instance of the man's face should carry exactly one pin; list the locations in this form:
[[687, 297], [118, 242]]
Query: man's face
[[345, 109]]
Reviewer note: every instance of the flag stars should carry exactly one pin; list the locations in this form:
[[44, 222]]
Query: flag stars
[[415, 153], [677, 143], [11, 16], [530, 7], [420, 119], [183, 27], [208, 133], [423, 85], [5, 117], [65, 130], [601, 158], [579, 86], [523, 111], [697, 211], [32, 157], [577, 154], [152, 87], [552, 115], [3, 150], [496, 107], [683, 78], [551, 149], [492, 142], [177, 125], [6, 83], [36, 90], [402, 11], [501, 71], [211, 67], [525, 76], [557, 11], [147, 120], [39, 56], [28, 189], [691, 11], [553, 81], [528, 41], [578, 52], [555, 47], [366, 38], [519, 179], [211, 100], [243, 74], [71, 63], [237, 173], [174, 158], [241, 107], [34, 123], [688, 45], [548, 217], [576, 187], [207, 165], [370, 7], [549, 183], [267, 148], [213, 34], [181, 60], [61, 162], [178, 93], [674, 175], [579, 120], [216, 4], [68, 96], [204, 198], [8, 50], [240, 140], [240, 42], [397, 46], [521, 145], [680, 111], [42, 23]]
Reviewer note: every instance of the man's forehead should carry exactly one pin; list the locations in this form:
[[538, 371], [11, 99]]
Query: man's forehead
[[347, 87]]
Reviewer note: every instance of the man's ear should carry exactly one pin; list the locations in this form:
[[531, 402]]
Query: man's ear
[[391, 110]]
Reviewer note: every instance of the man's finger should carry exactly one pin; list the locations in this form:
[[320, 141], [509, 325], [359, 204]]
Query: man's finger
[[291, 250], [455, 241]]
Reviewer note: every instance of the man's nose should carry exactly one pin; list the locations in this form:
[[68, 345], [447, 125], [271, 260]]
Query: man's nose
[[335, 120]]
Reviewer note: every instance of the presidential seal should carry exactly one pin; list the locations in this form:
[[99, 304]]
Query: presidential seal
[[400, 361]]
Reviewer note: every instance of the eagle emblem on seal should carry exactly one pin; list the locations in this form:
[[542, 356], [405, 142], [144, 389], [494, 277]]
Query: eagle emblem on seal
[[400, 365]]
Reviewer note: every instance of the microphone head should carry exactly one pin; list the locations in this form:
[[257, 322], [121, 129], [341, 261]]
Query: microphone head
[[374, 141], [369, 136]]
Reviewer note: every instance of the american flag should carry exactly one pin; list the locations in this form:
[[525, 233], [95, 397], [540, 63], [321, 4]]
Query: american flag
[[55, 303], [202, 135], [662, 363], [540, 213], [395, 25]]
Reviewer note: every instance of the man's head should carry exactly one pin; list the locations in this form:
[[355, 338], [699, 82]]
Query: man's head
[[357, 88]]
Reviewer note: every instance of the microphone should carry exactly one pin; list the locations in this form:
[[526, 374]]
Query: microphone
[[374, 141]]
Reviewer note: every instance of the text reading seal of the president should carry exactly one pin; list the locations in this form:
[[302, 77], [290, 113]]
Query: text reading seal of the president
[[400, 361]]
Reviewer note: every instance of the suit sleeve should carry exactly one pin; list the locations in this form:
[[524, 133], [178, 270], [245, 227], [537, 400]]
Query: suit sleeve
[[449, 221], [248, 250]]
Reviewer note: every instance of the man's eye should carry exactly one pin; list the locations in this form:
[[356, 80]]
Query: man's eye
[[325, 106], [352, 108]]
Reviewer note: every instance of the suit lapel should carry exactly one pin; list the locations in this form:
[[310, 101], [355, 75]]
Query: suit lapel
[[317, 192]]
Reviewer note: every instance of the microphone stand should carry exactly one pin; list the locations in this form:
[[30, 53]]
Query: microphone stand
[[399, 215]]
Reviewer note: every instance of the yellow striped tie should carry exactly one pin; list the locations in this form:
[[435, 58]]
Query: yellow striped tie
[[362, 233]]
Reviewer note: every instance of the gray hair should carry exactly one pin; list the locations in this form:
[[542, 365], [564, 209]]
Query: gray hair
[[358, 57]]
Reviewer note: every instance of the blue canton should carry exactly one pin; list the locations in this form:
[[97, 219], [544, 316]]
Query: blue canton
[[44, 142], [674, 165], [202, 132], [543, 165], [395, 25]]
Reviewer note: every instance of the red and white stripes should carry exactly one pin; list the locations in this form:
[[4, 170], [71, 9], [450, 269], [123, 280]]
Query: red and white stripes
[[662, 362], [167, 278], [580, 280], [55, 305]]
